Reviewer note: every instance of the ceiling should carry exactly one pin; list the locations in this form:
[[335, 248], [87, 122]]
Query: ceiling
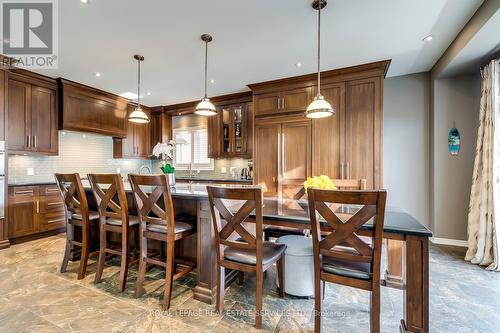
[[254, 41]]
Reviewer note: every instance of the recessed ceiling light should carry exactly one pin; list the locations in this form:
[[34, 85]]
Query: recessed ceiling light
[[97, 74], [212, 81], [299, 64], [130, 95], [148, 93], [84, 1], [427, 38]]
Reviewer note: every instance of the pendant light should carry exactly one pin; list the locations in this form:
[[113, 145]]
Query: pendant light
[[138, 116], [319, 108], [205, 107]]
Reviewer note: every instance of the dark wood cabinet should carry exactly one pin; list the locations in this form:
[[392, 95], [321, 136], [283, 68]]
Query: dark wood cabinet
[[214, 136], [282, 154], [137, 143], [236, 130], [285, 101], [87, 109], [3, 97], [35, 209], [161, 127], [32, 116], [345, 145]]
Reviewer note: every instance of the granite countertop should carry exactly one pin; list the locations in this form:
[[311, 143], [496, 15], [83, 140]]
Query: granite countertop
[[213, 179]]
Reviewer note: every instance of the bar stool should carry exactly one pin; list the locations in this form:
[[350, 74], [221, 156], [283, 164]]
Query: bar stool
[[247, 253], [157, 222], [77, 214], [343, 257], [113, 217]]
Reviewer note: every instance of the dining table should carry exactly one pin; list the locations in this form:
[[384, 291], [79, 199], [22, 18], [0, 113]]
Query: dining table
[[192, 199]]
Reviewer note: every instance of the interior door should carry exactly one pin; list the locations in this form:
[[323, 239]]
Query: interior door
[[363, 131], [295, 157], [43, 118], [328, 135], [266, 154], [19, 116]]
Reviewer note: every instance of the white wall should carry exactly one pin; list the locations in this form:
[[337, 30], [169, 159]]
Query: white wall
[[406, 143], [455, 99]]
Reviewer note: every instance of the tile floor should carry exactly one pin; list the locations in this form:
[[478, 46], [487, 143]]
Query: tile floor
[[35, 297]]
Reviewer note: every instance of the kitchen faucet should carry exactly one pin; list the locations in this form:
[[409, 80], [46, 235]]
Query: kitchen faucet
[[145, 167]]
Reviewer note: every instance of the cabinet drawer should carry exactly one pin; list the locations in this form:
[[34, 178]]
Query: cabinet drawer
[[52, 221], [23, 192]]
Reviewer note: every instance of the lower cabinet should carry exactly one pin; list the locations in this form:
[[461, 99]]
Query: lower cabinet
[[34, 209]]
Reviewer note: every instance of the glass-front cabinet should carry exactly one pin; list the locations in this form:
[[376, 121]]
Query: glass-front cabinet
[[236, 122]]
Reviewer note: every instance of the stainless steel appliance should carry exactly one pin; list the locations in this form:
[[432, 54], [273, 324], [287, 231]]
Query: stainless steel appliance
[[2, 179]]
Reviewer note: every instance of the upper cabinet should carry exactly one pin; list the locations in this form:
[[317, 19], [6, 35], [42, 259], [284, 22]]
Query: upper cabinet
[[236, 130], [137, 143], [285, 101], [161, 126], [32, 115], [91, 110]]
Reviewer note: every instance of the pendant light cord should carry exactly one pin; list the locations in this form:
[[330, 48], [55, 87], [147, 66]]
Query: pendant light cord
[[206, 65], [139, 83], [319, 45]]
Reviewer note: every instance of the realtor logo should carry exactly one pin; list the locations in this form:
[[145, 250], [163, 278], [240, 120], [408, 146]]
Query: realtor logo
[[29, 32]]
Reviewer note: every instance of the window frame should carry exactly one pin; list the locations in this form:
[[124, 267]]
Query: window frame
[[195, 166]]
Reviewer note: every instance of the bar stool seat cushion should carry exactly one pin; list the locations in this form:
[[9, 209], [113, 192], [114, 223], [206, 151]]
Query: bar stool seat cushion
[[132, 220], [347, 268], [93, 215], [270, 252], [179, 227]]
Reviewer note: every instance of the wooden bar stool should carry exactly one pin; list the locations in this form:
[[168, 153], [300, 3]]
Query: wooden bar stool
[[157, 222], [342, 256], [340, 184], [77, 214], [247, 253], [113, 217]]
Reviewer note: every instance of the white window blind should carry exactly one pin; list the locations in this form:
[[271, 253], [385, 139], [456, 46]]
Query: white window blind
[[195, 151]]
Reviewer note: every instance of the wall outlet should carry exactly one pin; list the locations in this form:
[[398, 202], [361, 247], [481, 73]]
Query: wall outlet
[[30, 171], [223, 170], [118, 170]]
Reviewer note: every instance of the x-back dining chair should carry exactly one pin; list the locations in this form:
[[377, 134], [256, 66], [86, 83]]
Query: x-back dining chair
[[248, 253], [157, 222], [77, 214], [112, 206], [342, 256]]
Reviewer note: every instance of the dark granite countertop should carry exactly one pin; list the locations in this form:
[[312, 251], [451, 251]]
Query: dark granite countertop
[[213, 179], [34, 183]]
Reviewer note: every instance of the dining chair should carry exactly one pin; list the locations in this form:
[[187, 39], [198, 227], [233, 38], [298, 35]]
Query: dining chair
[[342, 256], [247, 253], [157, 222], [340, 184], [112, 206], [77, 214]]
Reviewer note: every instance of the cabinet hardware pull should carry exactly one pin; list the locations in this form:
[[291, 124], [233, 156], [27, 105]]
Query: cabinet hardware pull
[[38, 206], [54, 203], [282, 102], [52, 190], [29, 141], [34, 141], [342, 170], [57, 220], [24, 192], [209, 148], [279, 103], [348, 167]]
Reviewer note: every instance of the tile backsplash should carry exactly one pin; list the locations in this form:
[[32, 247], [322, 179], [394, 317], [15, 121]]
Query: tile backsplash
[[78, 152], [86, 153]]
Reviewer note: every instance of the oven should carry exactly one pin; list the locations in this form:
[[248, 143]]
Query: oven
[[2, 179]]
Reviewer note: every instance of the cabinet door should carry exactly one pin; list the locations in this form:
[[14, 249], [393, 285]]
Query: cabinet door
[[267, 157], [214, 138], [328, 135], [23, 208], [127, 144], [295, 156], [364, 131], [142, 140], [296, 99], [265, 104], [227, 142], [19, 116], [43, 120], [161, 128]]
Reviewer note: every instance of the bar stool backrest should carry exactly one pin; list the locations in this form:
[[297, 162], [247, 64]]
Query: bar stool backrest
[[73, 194], [110, 197]]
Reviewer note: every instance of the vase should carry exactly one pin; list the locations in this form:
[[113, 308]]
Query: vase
[[171, 179]]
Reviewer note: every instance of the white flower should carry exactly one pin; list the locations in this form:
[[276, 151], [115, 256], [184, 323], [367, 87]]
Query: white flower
[[167, 149]]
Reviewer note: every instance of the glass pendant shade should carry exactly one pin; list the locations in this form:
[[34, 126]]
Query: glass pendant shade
[[205, 108], [138, 116], [319, 108]]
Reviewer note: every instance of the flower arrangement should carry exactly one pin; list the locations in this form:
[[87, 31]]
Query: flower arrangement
[[166, 152], [322, 182]]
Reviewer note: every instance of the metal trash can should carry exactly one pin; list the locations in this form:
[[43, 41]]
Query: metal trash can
[[299, 265]]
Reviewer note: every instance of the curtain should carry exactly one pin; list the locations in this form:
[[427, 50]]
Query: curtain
[[483, 224]]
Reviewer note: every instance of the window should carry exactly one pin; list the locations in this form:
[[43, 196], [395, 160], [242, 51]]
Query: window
[[195, 151]]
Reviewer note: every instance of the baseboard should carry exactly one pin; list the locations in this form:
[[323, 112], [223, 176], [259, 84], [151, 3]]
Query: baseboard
[[448, 241]]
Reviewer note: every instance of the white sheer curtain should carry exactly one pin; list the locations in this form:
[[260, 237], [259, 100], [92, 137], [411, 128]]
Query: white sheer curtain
[[483, 223]]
